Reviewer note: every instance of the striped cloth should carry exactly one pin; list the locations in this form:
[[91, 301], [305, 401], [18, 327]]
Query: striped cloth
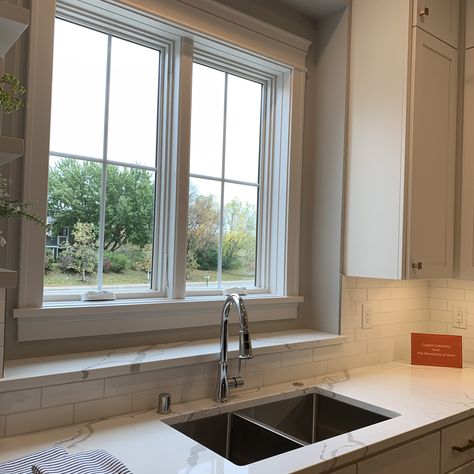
[[90, 462], [23, 465]]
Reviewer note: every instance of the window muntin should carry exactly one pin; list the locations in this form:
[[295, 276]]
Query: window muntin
[[226, 119], [106, 187]]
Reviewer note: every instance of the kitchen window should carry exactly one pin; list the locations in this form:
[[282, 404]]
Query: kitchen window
[[198, 140]]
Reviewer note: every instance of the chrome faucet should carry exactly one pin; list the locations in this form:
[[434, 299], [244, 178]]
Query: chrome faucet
[[245, 347]]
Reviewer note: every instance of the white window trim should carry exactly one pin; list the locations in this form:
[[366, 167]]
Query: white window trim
[[203, 28]]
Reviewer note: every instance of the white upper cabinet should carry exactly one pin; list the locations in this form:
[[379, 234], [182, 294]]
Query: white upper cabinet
[[438, 17], [469, 23], [467, 200], [432, 151], [401, 146]]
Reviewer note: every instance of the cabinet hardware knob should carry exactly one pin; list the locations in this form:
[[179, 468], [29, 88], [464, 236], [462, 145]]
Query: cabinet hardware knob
[[417, 265], [424, 12], [466, 447]]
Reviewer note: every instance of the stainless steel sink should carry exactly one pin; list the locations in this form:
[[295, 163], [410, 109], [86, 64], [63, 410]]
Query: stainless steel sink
[[314, 417], [268, 429], [238, 439]]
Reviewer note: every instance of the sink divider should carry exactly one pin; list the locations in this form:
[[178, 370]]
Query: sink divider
[[269, 428]]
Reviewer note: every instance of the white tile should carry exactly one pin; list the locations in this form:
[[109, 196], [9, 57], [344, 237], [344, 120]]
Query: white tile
[[438, 303], [2, 426], [387, 355], [181, 375], [312, 370], [386, 343], [449, 293], [331, 352], [355, 294], [378, 294], [465, 284], [38, 420], [410, 292], [343, 363], [297, 357], [370, 283], [21, 400], [441, 316], [253, 380], [197, 390], [364, 360], [348, 282], [72, 392], [264, 362], [438, 283], [103, 408], [282, 374], [149, 400], [2, 332], [403, 304], [131, 383]]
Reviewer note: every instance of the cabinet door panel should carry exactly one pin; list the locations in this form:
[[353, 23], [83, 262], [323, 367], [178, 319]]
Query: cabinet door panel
[[467, 469], [432, 157], [438, 17], [467, 200], [457, 435], [420, 457], [469, 23]]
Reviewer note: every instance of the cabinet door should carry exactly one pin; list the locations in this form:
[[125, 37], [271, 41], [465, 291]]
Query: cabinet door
[[467, 200], [467, 469], [420, 457], [438, 17], [469, 23], [458, 435], [432, 153]]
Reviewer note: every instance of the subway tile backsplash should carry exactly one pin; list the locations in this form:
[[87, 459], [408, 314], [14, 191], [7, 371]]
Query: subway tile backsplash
[[399, 308]]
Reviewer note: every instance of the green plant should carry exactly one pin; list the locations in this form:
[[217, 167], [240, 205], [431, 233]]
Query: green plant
[[115, 262], [13, 208], [48, 260], [11, 95], [81, 256]]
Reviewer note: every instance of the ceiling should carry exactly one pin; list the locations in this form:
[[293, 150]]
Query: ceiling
[[314, 9]]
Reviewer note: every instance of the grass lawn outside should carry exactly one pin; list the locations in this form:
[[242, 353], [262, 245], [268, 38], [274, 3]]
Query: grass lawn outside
[[57, 279]]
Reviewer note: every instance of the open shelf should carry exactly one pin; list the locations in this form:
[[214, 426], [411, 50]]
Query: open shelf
[[10, 149], [7, 278], [13, 22]]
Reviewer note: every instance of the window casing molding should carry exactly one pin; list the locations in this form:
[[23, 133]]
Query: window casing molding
[[283, 139]]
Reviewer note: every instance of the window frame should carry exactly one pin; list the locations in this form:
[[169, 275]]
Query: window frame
[[207, 37]]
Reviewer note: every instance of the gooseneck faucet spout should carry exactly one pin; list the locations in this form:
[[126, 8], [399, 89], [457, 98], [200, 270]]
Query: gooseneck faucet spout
[[245, 347]]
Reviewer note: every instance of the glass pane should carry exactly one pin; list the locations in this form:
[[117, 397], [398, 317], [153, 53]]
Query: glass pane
[[242, 150], [207, 121], [240, 235], [203, 233], [78, 97], [128, 228], [73, 215], [133, 103]]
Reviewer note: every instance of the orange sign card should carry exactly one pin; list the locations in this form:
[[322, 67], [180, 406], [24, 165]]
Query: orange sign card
[[436, 349]]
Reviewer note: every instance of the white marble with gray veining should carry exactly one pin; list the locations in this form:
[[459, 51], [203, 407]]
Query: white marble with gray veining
[[40, 371], [427, 398]]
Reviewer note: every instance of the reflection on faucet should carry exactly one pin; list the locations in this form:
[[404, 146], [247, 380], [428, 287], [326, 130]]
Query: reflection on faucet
[[245, 347]]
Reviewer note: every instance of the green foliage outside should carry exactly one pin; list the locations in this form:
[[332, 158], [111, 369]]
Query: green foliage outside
[[74, 196], [73, 202], [81, 256]]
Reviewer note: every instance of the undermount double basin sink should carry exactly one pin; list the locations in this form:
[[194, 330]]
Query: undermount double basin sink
[[265, 430]]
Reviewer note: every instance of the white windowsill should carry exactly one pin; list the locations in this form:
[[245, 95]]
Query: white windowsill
[[41, 371], [79, 319]]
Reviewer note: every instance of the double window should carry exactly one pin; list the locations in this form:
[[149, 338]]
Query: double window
[[105, 181], [174, 166]]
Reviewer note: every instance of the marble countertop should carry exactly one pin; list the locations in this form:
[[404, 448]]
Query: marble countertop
[[49, 370], [427, 399]]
